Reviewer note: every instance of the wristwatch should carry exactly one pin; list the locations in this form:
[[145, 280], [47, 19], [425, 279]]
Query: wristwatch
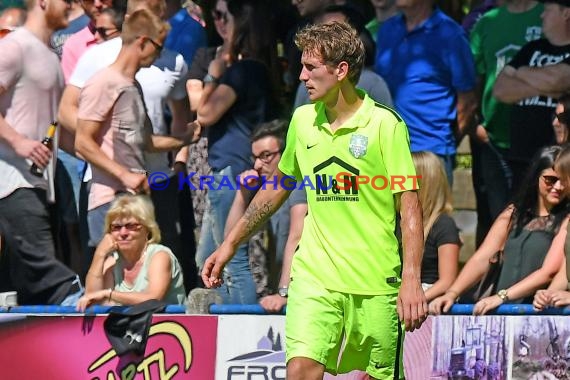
[[209, 78], [503, 295], [283, 291]]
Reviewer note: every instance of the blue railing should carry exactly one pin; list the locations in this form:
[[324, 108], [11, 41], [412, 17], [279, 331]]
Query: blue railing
[[56, 309], [457, 309], [510, 309]]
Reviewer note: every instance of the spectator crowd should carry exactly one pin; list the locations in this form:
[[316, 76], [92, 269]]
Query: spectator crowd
[[198, 89]]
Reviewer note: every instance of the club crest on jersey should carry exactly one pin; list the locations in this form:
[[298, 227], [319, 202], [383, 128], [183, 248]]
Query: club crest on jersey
[[358, 145]]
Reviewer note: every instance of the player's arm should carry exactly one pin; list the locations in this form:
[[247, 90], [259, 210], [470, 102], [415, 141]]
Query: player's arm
[[241, 200], [412, 304], [264, 204]]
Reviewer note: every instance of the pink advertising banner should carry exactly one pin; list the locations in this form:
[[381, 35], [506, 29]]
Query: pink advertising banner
[[62, 347]]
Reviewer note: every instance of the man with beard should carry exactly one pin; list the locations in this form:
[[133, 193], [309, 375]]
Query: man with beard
[[29, 95]]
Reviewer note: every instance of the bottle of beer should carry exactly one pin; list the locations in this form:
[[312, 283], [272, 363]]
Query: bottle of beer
[[47, 141]]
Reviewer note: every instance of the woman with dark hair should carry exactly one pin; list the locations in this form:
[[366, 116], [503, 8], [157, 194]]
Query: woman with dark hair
[[238, 94], [558, 293], [530, 233], [561, 119]]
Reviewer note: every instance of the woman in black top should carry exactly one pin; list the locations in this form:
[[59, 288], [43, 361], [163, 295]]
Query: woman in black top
[[441, 235], [530, 232]]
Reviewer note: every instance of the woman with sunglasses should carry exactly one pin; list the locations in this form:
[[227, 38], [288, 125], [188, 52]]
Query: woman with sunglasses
[[561, 119], [129, 265], [529, 234], [558, 293]]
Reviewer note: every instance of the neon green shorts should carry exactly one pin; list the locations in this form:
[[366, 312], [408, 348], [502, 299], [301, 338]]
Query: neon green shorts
[[320, 322]]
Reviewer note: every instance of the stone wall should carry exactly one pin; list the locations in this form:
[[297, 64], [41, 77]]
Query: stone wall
[[465, 214]]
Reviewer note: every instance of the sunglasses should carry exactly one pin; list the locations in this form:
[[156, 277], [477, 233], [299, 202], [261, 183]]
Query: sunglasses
[[550, 180], [104, 32], [156, 45], [116, 227], [220, 16], [89, 2], [562, 117]]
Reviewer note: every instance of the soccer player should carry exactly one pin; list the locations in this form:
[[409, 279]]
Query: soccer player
[[348, 281]]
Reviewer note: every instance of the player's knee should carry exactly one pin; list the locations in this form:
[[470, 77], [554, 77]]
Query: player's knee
[[304, 368]]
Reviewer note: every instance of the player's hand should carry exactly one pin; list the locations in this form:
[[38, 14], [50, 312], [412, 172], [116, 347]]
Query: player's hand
[[412, 304], [214, 266]]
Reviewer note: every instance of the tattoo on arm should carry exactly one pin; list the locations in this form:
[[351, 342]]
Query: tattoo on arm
[[256, 215]]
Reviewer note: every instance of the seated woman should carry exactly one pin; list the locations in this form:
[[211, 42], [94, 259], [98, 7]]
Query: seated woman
[[442, 242], [558, 294], [531, 234], [129, 266]]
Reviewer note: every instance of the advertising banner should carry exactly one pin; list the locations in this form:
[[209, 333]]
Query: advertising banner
[[75, 347], [253, 347], [501, 347], [249, 347]]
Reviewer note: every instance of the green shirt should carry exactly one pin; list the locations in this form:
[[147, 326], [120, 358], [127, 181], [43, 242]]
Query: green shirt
[[348, 242], [5, 4], [495, 40]]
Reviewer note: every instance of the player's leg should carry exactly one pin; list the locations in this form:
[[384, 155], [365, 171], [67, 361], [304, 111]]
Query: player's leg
[[314, 330], [374, 337]]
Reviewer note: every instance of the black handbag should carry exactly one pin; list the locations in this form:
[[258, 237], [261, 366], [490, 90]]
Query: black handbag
[[127, 329]]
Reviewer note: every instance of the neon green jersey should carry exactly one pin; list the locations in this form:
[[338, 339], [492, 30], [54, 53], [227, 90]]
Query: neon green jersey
[[348, 242]]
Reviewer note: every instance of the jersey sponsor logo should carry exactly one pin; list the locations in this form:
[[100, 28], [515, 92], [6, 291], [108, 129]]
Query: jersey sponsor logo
[[310, 146], [358, 145], [327, 184]]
